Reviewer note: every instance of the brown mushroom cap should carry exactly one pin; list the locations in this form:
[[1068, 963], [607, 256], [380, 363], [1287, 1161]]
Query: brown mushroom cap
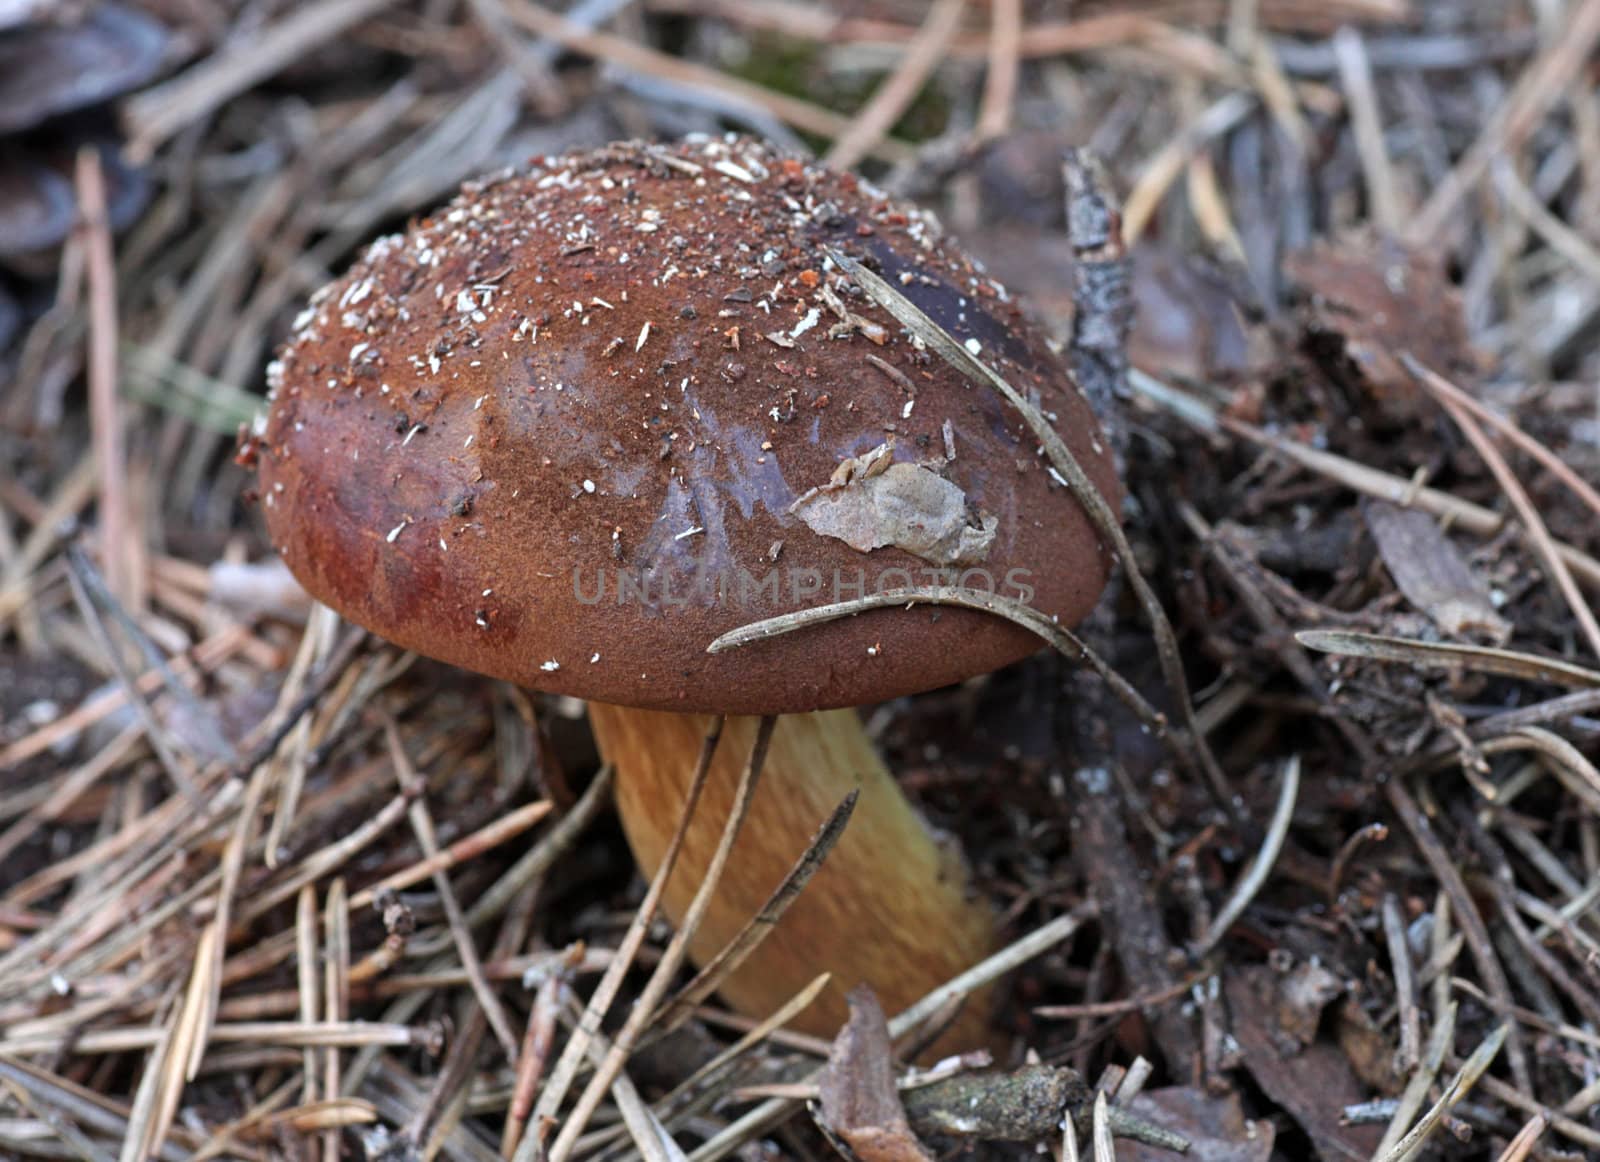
[[557, 433]]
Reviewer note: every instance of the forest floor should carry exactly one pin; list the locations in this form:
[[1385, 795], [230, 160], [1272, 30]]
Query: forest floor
[[270, 888]]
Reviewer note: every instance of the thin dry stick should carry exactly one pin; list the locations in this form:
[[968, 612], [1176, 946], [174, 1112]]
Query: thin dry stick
[[324, 860], [314, 646], [155, 732], [1519, 1099], [1266, 855], [891, 99], [335, 992], [691, 1094], [649, 1137], [1000, 81], [544, 91], [308, 993], [68, 789], [1484, 659], [1420, 1082], [1279, 95], [1355, 71], [1562, 759], [1158, 174], [1473, 518], [758, 1033], [144, 1137], [628, 54], [1468, 916], [206, 656], [156, 114], [1521, 1147], [80, 1103], [749, 938], [1134, 1004], [1552, 463], [75, 491], [771, 1113], [1194, 748], [1543, 544], [656, 987], [1105, 1149], [71, 1136], [1409, 1051], [232, 868], [1460, 1085], [544, 854], [555, 1091], [537, 1041], [1560, 237], [1029, 618], [291, 1034], [1544, 81], [161, 1089], [496, 832], [422, 824], [105, 420]]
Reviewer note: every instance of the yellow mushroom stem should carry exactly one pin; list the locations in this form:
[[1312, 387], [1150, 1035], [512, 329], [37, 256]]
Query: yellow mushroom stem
[[891, 907]]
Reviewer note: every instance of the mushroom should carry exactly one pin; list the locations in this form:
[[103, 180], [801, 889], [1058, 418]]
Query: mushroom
[[596, 413]]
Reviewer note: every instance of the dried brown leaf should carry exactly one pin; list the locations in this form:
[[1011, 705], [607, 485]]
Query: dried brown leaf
[[859, 1104], [872, 502], [1431, 572]]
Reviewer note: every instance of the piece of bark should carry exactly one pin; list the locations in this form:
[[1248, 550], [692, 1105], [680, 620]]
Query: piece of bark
[[858, 1101], [1366, 302]]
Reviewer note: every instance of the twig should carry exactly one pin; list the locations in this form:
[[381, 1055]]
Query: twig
[[566, 1068], [629, 54], [156, 114], [335, 992], [1064, 640], [1194, 747], [505, 827], [770, 1113], [1409, 1052], [1251, 882], [1484, 659], [1471, 517], [1102, 292], [655, 988], [1544, 81], [105, 416], [749, 938], [1000, 81], [1557, 467], [1142, 1002], [308, 987], [1355, 71], [537, 1041], [176, 766], [1451, 881], [422, 824], [1466, 1077], [1543, 544], [1158, 174], [544, 854], [890, 100]]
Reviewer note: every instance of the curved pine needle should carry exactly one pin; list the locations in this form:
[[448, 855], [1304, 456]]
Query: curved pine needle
[[1485, 659]]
